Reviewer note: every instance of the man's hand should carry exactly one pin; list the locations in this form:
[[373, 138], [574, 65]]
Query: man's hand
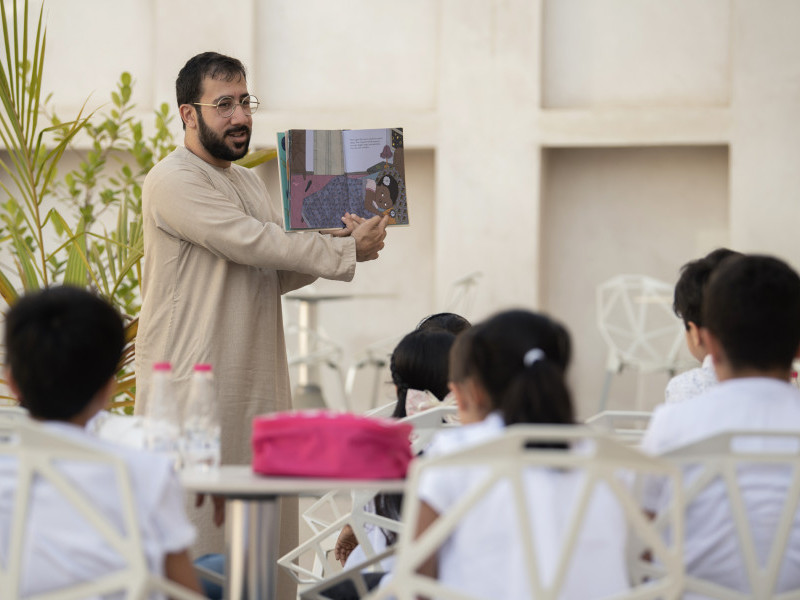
[[351, 221], [345, 544], [369, 238]]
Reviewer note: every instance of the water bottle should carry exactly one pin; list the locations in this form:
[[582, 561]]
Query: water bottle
[[201, 427], [162, 427]]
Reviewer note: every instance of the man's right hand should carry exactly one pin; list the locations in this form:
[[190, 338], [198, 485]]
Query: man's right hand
[[369, 238]]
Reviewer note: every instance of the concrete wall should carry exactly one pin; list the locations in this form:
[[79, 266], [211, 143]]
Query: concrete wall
[[552, 142]]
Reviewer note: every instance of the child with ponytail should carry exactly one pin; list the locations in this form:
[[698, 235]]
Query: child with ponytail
[[510, 370]]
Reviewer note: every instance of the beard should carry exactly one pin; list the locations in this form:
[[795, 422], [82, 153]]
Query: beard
[[216, 145]]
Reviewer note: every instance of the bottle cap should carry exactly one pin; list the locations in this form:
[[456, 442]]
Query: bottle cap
[[162, 366], [203, 367]]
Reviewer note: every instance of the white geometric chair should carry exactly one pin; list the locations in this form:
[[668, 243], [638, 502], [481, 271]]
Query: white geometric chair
[[13, 412], [605, 464], [361, 517], [35, 452], [636, 321], [627, 426], [724, 470]]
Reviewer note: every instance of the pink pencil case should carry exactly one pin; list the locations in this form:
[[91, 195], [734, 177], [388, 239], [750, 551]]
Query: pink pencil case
[[315, 443]]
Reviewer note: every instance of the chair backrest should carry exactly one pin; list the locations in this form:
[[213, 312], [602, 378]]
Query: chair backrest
[[32, 456], [13, 412], [428, 422], [601, 469], [635, 319], [746, 486], [627, 426]]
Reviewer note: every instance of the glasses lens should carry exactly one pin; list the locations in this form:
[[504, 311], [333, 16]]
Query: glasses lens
[[225, 107], [250, 105]]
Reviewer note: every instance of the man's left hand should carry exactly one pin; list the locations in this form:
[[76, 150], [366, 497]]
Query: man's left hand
[[351, 221]]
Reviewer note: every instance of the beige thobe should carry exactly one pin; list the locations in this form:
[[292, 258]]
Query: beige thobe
[[216, 261]]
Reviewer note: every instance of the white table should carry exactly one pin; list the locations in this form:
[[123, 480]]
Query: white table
[[252, 519]]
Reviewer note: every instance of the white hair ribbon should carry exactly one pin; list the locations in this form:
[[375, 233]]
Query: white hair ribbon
[[532, 355]]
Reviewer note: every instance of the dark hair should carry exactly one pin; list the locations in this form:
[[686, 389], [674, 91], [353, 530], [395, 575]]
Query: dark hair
[[394, 189], [420, 362], [189, 84], [63, 344], [752, 307], [448, 321], [688, 299], [496, 354]]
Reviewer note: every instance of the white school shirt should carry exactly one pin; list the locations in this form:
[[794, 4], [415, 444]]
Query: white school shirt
[[484, 556], [62, 547], [711, 546], [691, 383]]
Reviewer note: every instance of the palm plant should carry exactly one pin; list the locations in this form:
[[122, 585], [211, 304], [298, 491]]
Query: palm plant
[[83, 228]]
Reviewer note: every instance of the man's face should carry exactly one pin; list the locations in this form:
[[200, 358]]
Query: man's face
[[224, 138]]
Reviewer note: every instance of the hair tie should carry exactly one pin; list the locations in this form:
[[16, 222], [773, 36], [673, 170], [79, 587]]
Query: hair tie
[[533, 355]]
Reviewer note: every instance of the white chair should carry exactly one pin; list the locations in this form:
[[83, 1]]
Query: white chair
[[604, 464], [627, 426], [13, 412], [636, 321], [35, 451], [722, 472]]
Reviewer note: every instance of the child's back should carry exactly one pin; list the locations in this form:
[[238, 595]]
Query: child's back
[[752, 316], [63, 346], [508, 370]]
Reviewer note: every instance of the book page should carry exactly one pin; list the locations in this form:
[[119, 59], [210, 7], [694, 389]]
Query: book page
[[365, 148], [318, 189], [324, 148]]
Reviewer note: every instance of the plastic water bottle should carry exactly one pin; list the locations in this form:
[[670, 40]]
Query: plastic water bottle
[[162, 427], [201, 427]]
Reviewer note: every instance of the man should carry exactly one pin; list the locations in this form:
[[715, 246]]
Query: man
[[216, 259]]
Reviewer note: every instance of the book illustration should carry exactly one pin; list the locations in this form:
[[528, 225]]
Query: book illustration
[[327, 173]]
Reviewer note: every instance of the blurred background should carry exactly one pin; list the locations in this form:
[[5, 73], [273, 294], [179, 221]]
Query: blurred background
[[550, 144]]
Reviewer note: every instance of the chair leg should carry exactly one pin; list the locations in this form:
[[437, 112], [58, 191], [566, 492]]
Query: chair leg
[[606, 389]]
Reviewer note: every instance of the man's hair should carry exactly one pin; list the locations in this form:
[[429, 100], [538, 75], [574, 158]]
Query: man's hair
[[688, 300], [63, 344], [189, 84], [752, 307]]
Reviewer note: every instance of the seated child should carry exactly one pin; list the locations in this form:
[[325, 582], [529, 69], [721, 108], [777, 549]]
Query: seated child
[[418, 367], [507, 370], [688, 306], [63, 346], [751, 316]]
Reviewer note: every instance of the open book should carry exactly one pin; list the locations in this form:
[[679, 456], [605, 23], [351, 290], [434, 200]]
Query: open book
[[327, 173]]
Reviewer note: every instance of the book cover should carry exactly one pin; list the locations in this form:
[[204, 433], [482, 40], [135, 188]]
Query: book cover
[[327, 173]]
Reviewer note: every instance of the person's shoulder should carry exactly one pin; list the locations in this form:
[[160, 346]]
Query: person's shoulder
[[453, 439], [689, 384]]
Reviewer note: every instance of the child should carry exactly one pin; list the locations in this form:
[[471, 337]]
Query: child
[[63, 346], [688, 306], [751, 315], [418, 366], [506, 370]]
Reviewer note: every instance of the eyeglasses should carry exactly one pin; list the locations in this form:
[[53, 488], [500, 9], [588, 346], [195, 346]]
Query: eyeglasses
[[226, 105]]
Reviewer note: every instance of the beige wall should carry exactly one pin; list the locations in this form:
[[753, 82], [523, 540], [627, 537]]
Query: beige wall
[[674, 124]]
